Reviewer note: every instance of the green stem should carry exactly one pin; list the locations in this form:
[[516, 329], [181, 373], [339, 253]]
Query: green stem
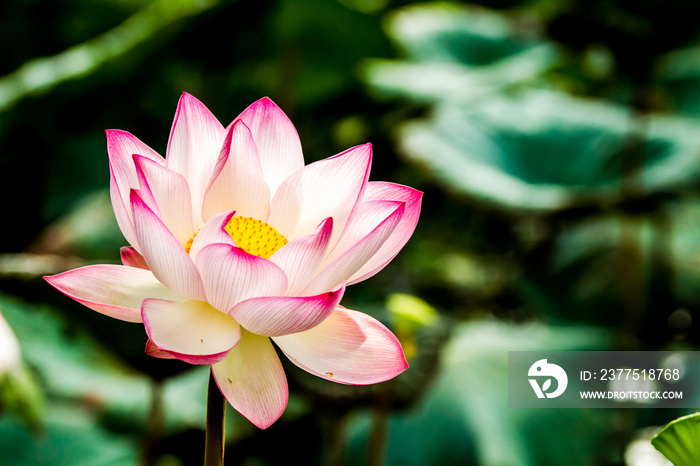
[[216, 410], [376, 448], [154, 423]]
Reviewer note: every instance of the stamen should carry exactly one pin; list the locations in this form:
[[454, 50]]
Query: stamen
[[188, 244], [255, 237]]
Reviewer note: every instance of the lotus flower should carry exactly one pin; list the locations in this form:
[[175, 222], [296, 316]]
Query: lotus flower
[[235, 244]]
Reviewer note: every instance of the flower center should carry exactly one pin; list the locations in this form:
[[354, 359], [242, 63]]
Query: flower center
[[251, 235], [255, 237]]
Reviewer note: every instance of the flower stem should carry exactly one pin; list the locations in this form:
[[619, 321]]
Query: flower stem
[[154, 423], [376, 449], [216, 411]]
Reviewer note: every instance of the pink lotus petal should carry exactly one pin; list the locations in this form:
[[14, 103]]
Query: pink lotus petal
[[327, 188], [277, 141], [301, 258], [153, 351], [252, 379], [348, 347], [356, 256], [147, 197], [121, 146], [214, 231], [403, 231], [170, 193], [131, 258], [367, 216], [231, 275], [279, 316], [195, 141], [113, 290], [122, 214], [164, 254], [238, 183], [192, 331]]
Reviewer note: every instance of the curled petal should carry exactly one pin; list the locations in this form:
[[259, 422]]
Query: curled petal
[[195, 141], [192, 331], [403, 231], [252, 379], [131, 258], [232, 275], [153, 351], [355, 257], [276, 139], [301, 258], [113, 290], [327, 188], [348, 347], [164, 254], [282, 315], [238, 183]]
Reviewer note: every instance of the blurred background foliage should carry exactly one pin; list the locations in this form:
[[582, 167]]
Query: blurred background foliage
[[558, 146]]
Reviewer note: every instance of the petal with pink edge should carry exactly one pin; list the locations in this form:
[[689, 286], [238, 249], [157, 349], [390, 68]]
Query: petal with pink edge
[[355, 257], [348, 347], [403, 231], [366, 218], [327, 188], [170, 193], [232, 275], [164, 254], [252, 379], [282, 315], [301, 258], [238, 183], [131, 258], [195, 141], [122, 213], [192, 331], [153, 351], [277, 141], [113, 290], [121, 146]]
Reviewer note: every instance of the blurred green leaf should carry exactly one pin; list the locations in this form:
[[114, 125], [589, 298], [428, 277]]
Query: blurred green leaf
[[451, 32], [456, 52], [586, 272], [544, 150], [411, 312], [70, 437], [70, 363], [41, 74], [21, 396], [679, 441], [685, 249], [89, 230], [532, 149], [679, 75], [464, 419], [322, 69]]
